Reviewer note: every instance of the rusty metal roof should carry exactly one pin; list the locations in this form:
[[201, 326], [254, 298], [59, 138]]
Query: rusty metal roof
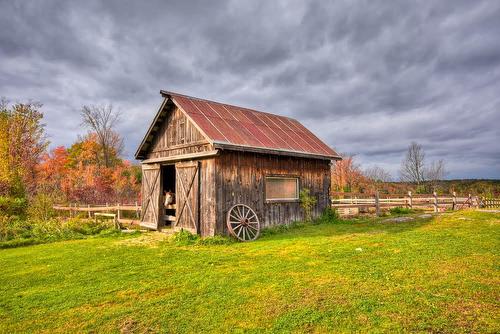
[[234, 127]]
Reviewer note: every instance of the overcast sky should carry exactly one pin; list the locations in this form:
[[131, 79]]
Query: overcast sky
[[368, 77]]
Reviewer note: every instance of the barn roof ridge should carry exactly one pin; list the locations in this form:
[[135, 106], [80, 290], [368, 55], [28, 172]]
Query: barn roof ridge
[[239, 128], [169, 93]]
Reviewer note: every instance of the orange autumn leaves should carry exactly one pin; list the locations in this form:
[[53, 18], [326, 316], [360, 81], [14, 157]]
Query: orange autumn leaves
[[76, 175]]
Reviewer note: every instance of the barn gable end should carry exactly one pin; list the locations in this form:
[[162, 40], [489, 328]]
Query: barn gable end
[[173, 134]]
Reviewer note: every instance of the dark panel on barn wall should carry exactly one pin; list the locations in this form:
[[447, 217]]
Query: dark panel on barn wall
[[177, 135], [240, 178]]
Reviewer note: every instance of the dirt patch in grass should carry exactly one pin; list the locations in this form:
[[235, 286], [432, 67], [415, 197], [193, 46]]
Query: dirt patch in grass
[[146, 239]]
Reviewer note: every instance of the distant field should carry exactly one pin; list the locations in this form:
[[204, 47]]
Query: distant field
[[437, 275]]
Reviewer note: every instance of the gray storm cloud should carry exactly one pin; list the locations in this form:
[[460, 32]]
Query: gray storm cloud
[[368, 77]]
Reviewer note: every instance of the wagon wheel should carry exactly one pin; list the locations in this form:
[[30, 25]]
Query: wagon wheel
[[243, 223]]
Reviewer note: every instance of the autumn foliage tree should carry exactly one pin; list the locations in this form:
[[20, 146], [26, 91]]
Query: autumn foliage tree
[[22, 144], [347, 176], [77, 175]]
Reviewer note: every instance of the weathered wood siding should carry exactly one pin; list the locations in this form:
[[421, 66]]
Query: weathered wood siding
[[240, 178], [177, 135], [202, 193], [187, 190], [151, 194], [207, 197]]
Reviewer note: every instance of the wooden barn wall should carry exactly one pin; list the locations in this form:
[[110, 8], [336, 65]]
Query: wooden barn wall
[[240, 178], [207, 197], [177, 135]]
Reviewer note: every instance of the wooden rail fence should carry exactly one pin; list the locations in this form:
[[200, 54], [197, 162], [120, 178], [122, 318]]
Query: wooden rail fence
[[490, 202], [355, 203], [118, 208]]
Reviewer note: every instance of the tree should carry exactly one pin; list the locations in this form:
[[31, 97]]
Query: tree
[[347, 175], [52, 171], [377, 174], [412, 167], [22, 144], [435, 173], [74, 175], [102, 120]]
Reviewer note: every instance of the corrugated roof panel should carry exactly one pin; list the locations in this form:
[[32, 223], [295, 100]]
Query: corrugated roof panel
[[297, 135], [187, 105], [282, 132], [207, 127], [307, 135], [222, 111], [245, 127]]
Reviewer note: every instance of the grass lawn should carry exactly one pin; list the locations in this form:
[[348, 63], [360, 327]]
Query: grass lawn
[[434, 275]]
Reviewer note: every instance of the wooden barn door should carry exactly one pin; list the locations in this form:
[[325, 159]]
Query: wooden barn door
[[151, 195], [187, 192]]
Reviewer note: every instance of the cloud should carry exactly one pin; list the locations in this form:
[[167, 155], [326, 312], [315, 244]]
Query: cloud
[[367, 77]]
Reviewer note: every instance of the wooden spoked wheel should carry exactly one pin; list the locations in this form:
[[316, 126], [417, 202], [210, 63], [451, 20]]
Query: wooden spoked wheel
[[243, 223]]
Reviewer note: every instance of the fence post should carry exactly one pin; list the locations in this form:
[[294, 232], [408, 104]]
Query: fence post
[[470, 200], [377, 204], [88, 208], [136, 211], [411, 200], [435, 201], [118, 209], [454, 200]]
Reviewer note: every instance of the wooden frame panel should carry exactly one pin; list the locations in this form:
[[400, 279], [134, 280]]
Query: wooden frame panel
[[187, 196], [151, 195]]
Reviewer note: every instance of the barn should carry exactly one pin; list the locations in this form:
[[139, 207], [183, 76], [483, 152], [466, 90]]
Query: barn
[[230, 167]]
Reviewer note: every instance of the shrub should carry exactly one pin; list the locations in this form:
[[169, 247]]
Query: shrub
[[329, 215], [17, 232], [277, 229], [12, 227], [41, 206], [400, 211], [184, 238], [13, 206], [307, 202]]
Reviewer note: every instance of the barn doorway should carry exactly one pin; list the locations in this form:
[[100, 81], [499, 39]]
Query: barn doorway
[[168, 185]]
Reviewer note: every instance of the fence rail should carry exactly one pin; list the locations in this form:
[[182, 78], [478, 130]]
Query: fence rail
[[490, 202], [118, 208], [355, 203]]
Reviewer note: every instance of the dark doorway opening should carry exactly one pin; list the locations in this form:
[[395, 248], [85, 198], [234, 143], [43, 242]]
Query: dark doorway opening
[[168, 190]]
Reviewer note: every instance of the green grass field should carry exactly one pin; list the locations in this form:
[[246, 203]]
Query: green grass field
[[434, 275]]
